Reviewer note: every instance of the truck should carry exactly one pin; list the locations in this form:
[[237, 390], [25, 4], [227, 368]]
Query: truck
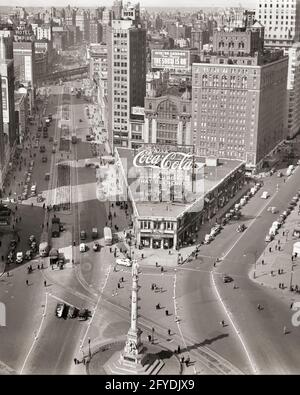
[[107, 236], [55, 231], [44, 245]]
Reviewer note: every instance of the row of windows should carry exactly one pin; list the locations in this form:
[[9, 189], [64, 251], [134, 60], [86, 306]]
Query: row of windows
[[157, 225]]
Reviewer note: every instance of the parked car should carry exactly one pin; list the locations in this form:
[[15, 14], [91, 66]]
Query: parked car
[[60, 309], [44, 159], [269, 238], [28, 255], [10, 257], [82, 235], [19, 257], [13, 245]]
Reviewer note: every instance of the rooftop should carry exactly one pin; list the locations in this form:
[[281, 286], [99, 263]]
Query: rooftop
[[207, 178]]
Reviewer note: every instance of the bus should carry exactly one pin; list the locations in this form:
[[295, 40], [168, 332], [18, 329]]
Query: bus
[[107, 236]]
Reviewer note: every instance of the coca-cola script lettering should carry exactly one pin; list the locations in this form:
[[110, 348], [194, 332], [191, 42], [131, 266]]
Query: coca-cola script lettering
[[166, 161]]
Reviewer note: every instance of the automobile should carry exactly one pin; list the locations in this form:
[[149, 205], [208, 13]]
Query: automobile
[[60, 309], [28, 255], [31, 239], [36, 144], [269, 238], [44, 159], [38, 135], [96, 246], [33, 247], [216, 229], [124, 262], [40, 198], [82, 235], [295, 198], [40, 128], [224, 221], [228, 215], [13, 245], [280, 220], [82, 247], [292, 203], [10, 257], [53, 150], [237, 215], [73, 312], [265, 195], [19, 257], [227, 279], [241, 228], [283, 215], [80, 120], [83, 314], [279, 174]]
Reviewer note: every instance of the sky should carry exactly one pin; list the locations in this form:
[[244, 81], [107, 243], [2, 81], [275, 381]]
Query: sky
[[145, 3]]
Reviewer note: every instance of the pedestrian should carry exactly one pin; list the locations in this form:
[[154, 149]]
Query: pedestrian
[[272, 273], [42, 267], [153, 330], [279, 248], [27, 282], [178, 349], [275, 246], [119, 286], [167, 312], [38, 266], [292, 304], [262, 262], [152, 287], [284, 330], [7, 274], [278, 241], [182, 360], [169, 332], [270, 249], [215, 263], [162, 269], [156, 264], [75, 361], [187, 361], [45, 283], [47, 224], [142, 256], [278, 271], [149, 338], [223, 323], [122, 279]]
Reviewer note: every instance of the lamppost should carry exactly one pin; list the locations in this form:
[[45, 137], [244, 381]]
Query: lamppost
[[90, 353], [291, 279]]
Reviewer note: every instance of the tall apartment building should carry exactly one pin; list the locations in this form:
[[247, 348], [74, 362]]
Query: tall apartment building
[[95, 32], [2, 145], [281, 20], [24, 59], [199, 38], [82, 21], [7, 120], [293, 89], [117, 9], [43, 32], [70, 16], [239, 98], [126, 77]]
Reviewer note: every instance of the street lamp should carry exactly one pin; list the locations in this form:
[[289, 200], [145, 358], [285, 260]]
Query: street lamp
[[291, 279]]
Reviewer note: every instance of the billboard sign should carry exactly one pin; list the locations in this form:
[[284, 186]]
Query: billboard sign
[[170, 60]]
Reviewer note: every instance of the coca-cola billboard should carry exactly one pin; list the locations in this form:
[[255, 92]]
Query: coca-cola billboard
[[166, 160]]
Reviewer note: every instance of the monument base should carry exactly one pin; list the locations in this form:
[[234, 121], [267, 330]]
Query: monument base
[[117, 364]]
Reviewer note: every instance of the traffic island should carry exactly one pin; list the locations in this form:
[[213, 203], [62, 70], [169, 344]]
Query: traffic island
[[157, 359]]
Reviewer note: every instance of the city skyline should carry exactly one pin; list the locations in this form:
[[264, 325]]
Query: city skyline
[[146, 3]]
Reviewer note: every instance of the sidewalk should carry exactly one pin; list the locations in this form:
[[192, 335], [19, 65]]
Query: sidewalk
[[275, 266]]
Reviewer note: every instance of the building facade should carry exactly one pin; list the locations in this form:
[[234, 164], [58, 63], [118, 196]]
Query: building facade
[[24, 60], [293, 90], [168, 120], [239, 100], [281, 21], [126, 77]]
